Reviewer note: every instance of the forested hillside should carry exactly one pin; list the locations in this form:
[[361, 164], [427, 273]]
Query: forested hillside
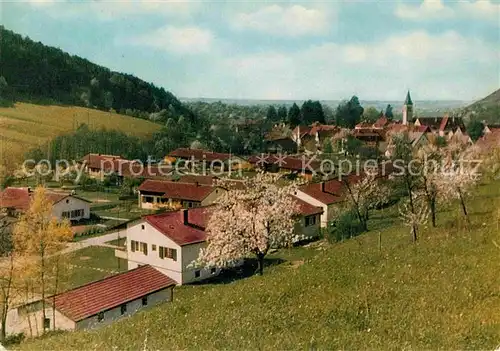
[[487, 109], [34, 72]]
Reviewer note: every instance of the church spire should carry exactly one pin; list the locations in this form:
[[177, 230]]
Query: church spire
[[408, 99]]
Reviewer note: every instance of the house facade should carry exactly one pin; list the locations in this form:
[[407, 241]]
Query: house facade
[[326, 195], [153, 194], [64, 205], [170, 242], [95, 304]]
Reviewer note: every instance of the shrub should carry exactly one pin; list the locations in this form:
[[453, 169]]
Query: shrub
[[344, 227]]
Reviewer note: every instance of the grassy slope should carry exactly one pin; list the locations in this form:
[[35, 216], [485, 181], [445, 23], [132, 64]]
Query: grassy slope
[[27, 125], [443, 292]]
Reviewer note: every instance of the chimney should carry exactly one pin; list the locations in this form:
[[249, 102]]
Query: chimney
[[184, 216], [322, 185]]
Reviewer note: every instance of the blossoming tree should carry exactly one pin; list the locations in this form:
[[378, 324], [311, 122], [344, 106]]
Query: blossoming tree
[[256, 215]]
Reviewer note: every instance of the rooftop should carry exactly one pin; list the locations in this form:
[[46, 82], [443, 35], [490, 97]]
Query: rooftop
[[177, 190], [90, 299]]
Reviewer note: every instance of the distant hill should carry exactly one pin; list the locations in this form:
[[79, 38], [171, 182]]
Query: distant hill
[[33, 72], [27, 126], [487, 109]]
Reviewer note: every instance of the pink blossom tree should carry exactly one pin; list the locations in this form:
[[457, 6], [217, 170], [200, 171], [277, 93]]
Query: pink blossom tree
[[256, 215]]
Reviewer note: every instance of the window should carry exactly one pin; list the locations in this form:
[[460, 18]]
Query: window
[[100, 316], [142, 227], [65, 214], [310, 220], [166, 252], [46, 323], [145, 301], [132, 245], [123, 308], [196, 274], [67, 201], [144, 248], [213, 270], [153, 247], [147, 199]]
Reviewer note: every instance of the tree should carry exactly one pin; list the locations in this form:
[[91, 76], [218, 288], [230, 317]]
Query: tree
[[460, 174], [312, 111], [8, 272], [294, 116], [250, 219], [38, 235], [412, 213], [327, 146], [282, 114], [371, 114], [272, 114], [428, 165], [364, 195], [353, 145], [348, 113], [475, 129], [388, 112]]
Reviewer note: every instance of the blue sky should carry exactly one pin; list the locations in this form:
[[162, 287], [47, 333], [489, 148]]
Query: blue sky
[[281, 50]]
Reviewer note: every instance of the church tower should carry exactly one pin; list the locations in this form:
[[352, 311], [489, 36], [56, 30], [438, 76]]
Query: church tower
[[407, 109]]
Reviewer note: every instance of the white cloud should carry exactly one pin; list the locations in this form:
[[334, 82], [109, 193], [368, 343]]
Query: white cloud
[[437, 10], [446, 66], [481, 9], [426, 10], [117, 10], [177, 40], [292, 21]]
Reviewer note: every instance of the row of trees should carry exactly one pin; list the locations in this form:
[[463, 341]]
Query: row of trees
[[30, 266], [423, 179]]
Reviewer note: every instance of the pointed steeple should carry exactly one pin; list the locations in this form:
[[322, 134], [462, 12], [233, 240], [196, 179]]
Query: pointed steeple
[[408, 99]]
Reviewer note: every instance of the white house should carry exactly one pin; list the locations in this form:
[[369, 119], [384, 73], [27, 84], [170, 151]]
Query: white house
[[171, 241], [95, 304], [326, 195], [64, 205], [157, 193]]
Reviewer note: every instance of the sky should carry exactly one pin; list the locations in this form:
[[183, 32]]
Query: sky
[[329, 50]]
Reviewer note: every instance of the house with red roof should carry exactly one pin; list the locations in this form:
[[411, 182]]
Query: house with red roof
[[171, 241], [306, 167], [217, 160], [311, 137], [327, 195], [15, 201], [95, 304], [154, 194]]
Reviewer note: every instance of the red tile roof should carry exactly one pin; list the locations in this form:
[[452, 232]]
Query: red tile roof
[[381, 122], [97, 161], [328, 192], [177, 190], [151, 172], [199, 154], [90, 299], [195, 178], [17, 198], [305, 208], [20, 198], [286, 162], [443, 124], [174, 226]]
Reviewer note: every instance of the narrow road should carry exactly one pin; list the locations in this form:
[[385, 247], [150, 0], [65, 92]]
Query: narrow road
[[94, 241]]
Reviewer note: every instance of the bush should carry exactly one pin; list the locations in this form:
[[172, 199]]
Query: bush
[[13, 339], [344, 227]]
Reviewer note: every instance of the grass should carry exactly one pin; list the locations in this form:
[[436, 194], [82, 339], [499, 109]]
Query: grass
[[440, 293], [26, 125], [93, 263]]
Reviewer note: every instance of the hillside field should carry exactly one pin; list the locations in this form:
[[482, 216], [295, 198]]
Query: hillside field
[[26, 126], [441, 293]]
